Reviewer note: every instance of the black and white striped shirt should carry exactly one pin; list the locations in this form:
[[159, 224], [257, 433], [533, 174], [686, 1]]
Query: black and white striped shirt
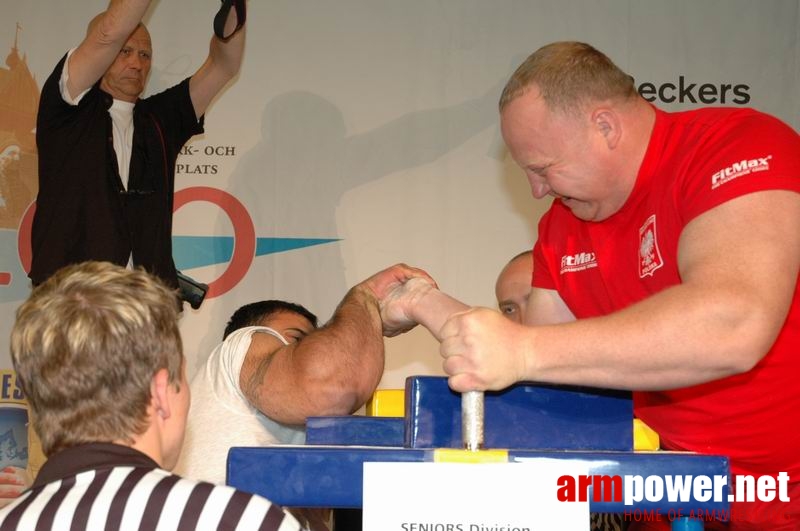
[[125, 490]]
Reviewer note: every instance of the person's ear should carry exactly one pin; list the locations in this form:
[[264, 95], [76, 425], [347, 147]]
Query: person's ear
[[607, 123], [159, 387]]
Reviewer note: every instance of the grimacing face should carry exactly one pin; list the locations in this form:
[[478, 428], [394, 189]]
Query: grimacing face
[[563, 156], [127, 75]]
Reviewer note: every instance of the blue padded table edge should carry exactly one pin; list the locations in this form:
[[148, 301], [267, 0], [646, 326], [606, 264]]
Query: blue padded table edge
[[355, 430], [332, 476], [545, 417]]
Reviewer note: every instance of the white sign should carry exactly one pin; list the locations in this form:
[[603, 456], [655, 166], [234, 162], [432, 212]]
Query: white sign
[[469, 497]]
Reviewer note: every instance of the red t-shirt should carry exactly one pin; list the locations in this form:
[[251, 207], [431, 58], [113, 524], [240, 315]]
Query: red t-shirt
[[695, 161]]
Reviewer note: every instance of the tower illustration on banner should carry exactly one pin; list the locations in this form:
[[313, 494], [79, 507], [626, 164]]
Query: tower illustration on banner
[[19, 100]]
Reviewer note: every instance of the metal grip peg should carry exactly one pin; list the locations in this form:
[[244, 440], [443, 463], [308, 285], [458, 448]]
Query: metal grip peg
[[472, 420]]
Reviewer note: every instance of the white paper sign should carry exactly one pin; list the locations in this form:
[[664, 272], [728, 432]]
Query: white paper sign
[[469, 497]]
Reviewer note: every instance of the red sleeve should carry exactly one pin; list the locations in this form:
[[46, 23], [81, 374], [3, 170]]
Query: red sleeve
[[748, 152], [542, 272]]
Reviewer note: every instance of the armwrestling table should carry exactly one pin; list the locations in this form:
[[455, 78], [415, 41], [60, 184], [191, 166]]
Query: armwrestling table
[[594, 428]]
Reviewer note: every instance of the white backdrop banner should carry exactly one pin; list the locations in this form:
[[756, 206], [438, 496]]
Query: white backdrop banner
[[361, 133]]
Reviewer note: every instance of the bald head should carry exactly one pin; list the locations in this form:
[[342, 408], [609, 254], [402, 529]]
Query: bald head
[[125, 77], [514, 285], [569, 74]]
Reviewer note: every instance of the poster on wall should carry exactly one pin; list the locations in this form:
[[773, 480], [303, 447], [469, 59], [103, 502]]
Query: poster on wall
[[14, 447]]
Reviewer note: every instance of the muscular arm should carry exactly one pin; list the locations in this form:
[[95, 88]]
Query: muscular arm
[[104, 39], [739, 264], [333, 370], [221, 65]]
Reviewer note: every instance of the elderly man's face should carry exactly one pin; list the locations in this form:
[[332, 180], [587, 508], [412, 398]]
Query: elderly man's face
[[126, 76]]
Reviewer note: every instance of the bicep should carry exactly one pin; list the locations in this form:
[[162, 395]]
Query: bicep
[[545, 307], [267, 380], [746, 250]]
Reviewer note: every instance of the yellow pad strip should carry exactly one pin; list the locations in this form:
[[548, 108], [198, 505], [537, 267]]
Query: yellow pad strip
[[455, 455], [387, 403], [644, 438]]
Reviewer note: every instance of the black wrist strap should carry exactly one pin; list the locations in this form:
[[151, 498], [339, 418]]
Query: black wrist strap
[[222, 16]]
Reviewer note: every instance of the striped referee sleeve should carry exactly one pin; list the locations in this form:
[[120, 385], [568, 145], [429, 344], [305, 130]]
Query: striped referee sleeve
[[83, 504], [13, 513], [48, 514], [26, 514], [99, 504], [142, 499], [126, 510], [155, 507], [207, 506]]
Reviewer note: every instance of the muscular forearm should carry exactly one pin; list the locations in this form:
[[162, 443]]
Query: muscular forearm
[[683, 336], [333, 370], [738, 270], [343, 361]]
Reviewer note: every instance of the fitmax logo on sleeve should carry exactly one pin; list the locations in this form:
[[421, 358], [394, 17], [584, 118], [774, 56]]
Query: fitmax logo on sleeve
[[738, 169], [578, 262]]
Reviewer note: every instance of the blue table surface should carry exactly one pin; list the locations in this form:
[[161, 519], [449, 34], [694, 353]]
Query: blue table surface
[[332, 476]]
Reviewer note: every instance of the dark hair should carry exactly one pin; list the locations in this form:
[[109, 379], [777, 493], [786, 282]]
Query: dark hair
[[253, 314]]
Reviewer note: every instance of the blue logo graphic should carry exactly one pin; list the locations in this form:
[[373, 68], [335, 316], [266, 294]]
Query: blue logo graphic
[[198, 251]]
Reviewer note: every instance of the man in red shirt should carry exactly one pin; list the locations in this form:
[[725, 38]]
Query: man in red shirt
[[667, 264]]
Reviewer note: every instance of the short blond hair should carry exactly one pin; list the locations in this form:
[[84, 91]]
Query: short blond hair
[[569, 75], [85, 346]]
